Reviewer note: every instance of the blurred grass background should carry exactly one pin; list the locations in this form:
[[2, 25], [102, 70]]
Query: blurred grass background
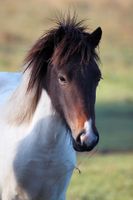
[[105, 177]]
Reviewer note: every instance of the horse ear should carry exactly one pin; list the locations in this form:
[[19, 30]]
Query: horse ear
[[95, 37]]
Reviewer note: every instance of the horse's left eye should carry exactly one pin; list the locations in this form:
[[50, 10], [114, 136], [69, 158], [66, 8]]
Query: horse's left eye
[[62, 79]]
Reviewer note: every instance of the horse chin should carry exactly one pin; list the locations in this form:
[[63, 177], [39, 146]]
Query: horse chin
[[82, 148]]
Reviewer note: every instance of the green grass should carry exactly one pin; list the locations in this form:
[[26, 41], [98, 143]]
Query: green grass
[[115, 124], [103, 178]]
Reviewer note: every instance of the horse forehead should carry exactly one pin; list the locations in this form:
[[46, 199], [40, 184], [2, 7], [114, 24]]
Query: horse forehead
[[75, 68]]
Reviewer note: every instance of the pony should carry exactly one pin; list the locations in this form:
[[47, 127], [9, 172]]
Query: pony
[[47, 113]]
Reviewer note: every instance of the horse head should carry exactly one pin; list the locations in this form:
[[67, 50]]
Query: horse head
[[64, 63]]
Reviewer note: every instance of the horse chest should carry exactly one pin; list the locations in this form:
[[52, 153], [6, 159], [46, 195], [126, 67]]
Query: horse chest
[[42, 172]]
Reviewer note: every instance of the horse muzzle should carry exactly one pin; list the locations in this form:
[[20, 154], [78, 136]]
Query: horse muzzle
[[87, 139], [85, 142]]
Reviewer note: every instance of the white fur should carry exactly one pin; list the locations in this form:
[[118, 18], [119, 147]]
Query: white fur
[[89, 135], [36, 158], [8, 83]]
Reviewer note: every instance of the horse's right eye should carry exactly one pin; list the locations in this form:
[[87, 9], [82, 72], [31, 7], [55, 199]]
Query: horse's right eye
[[62, 79]]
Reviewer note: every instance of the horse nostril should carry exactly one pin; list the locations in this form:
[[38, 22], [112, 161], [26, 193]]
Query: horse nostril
[[85, 141], [78, 140], [88, 140]]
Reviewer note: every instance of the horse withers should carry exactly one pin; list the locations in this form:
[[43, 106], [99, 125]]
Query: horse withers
[[47, 112]]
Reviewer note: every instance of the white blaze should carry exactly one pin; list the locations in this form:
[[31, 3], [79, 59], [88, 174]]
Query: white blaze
[[89, 135]]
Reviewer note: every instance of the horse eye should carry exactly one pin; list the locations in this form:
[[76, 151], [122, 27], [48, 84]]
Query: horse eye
[[62, 79]]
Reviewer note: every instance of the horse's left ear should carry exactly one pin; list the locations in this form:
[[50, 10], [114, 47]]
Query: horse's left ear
[[95, 37]]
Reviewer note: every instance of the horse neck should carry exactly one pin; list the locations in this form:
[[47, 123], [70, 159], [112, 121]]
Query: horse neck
[[48, 123]]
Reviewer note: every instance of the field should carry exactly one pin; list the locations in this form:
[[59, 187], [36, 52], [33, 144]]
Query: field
[[104, 176]]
